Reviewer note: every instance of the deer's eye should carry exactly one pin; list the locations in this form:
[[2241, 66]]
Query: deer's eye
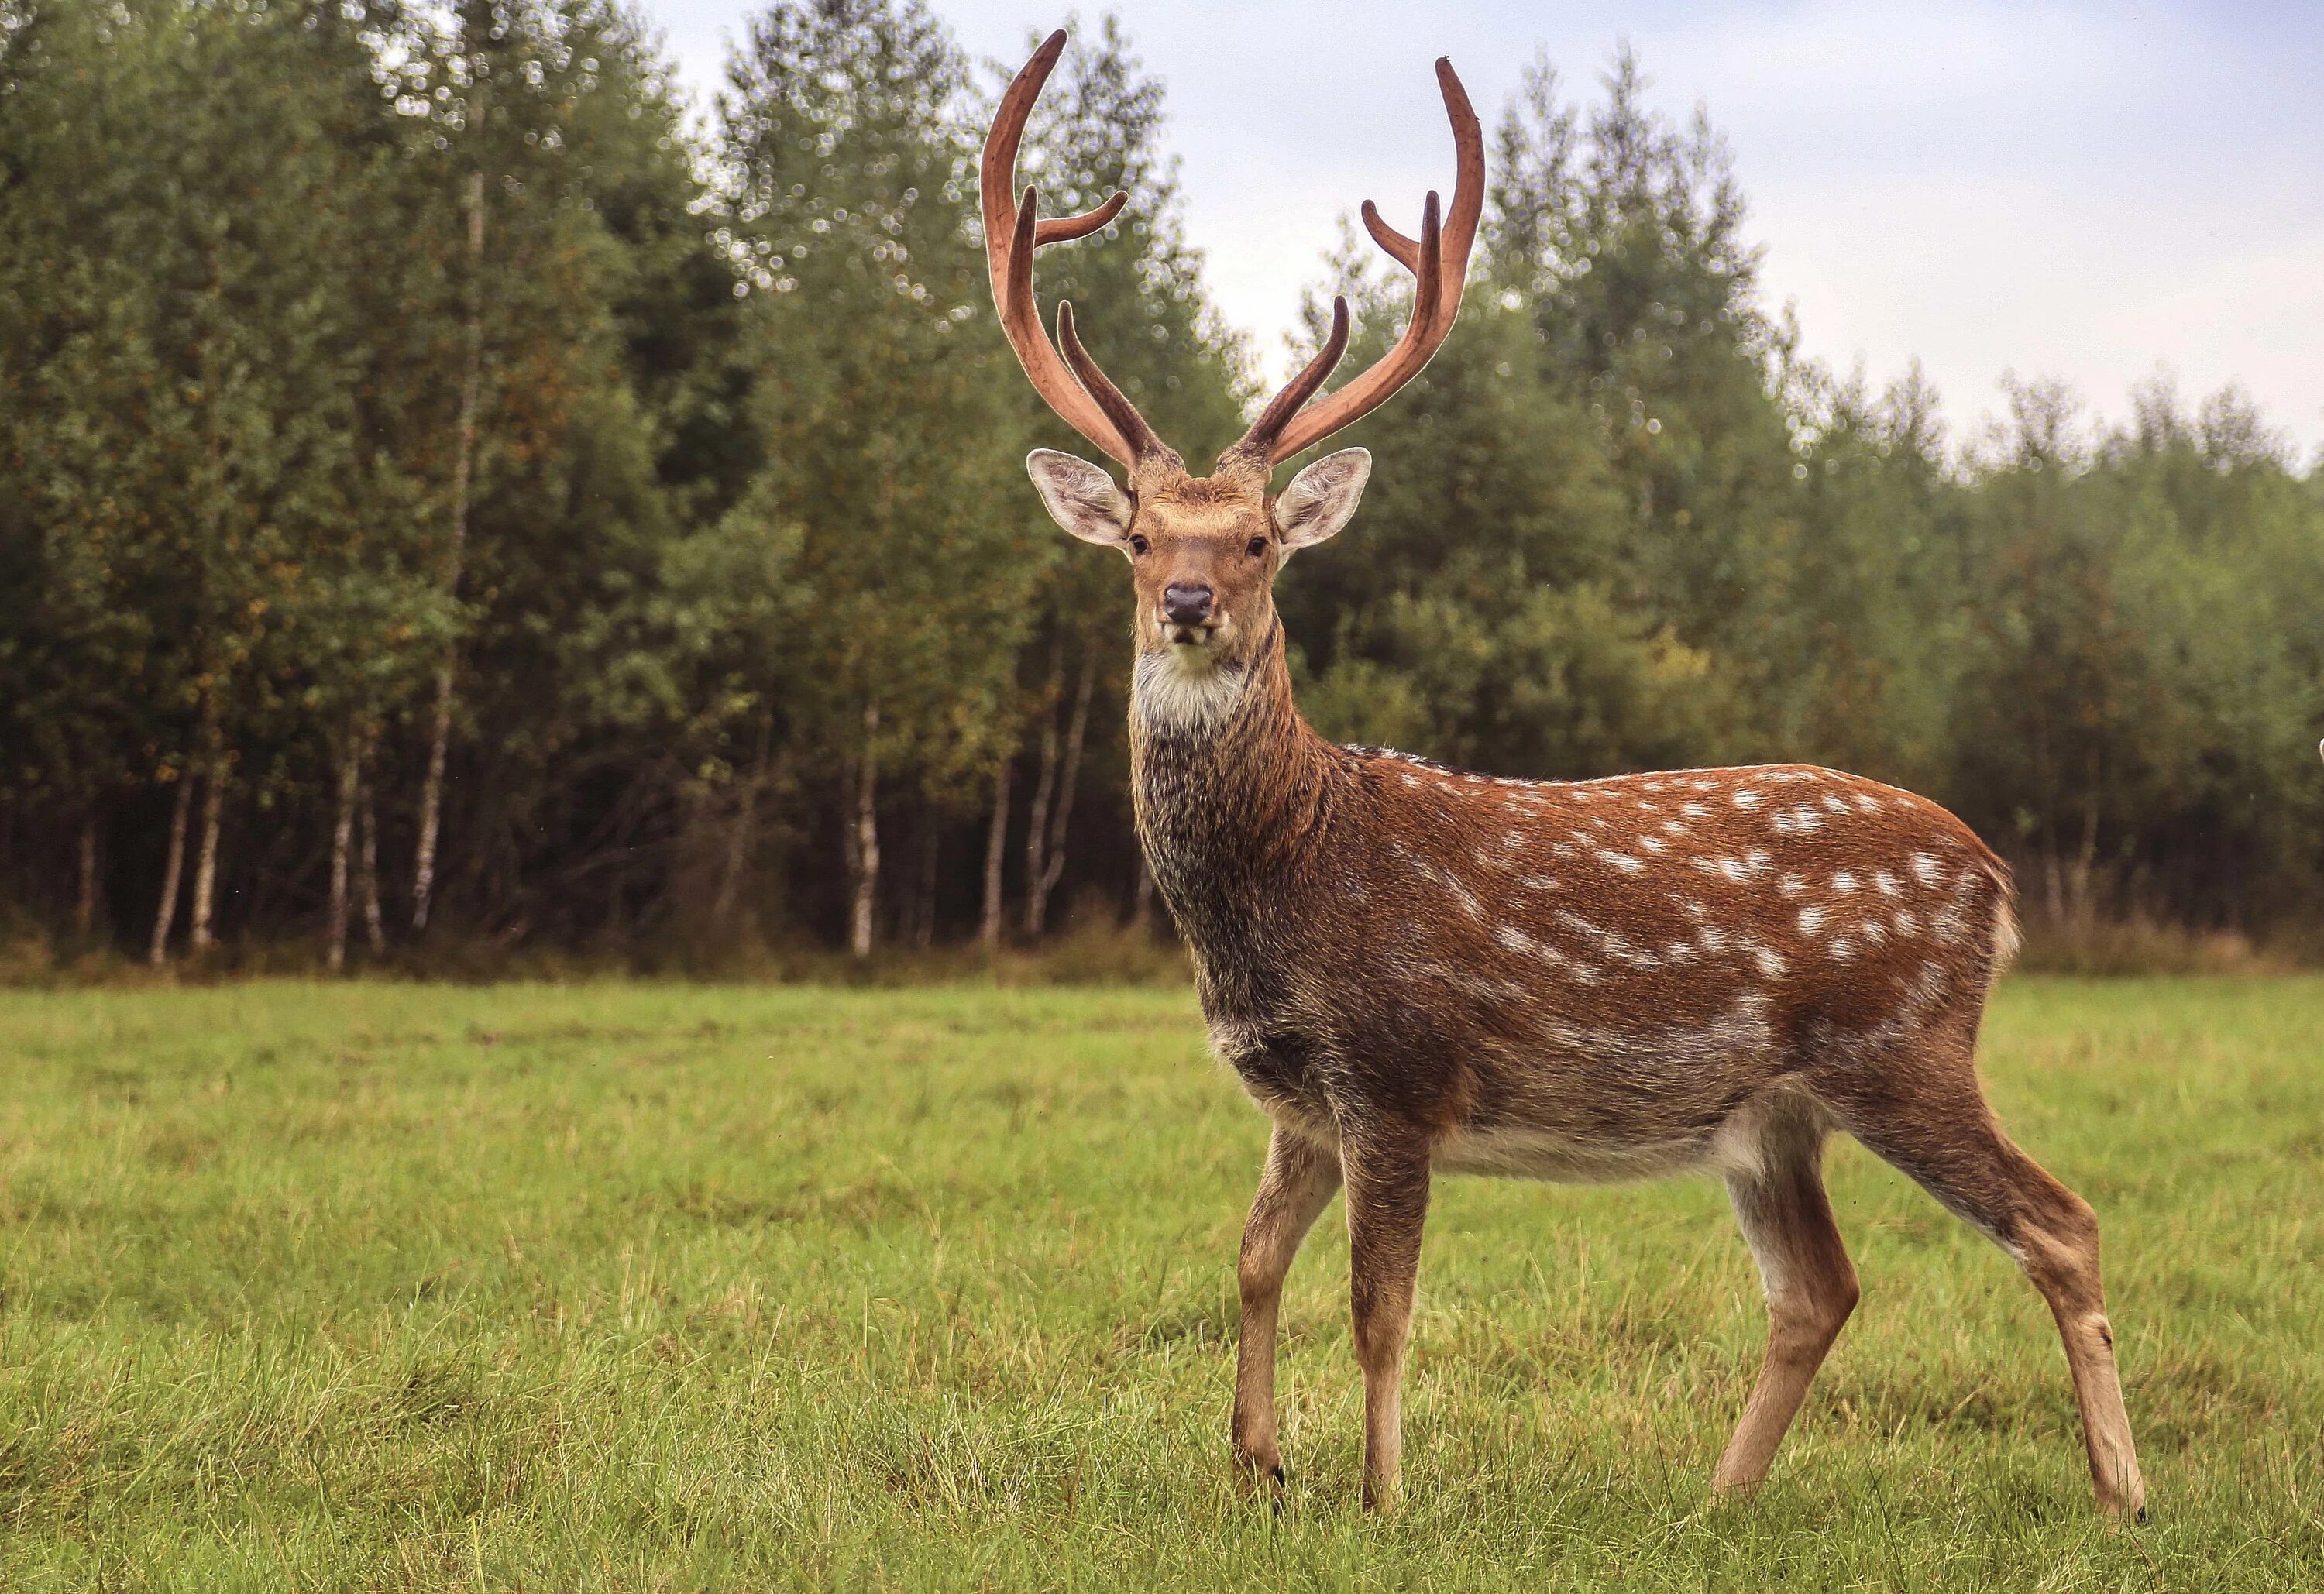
[[1139, 545], [1258, 548]]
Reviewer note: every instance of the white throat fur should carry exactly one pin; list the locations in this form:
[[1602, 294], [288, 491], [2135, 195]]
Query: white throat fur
[[1185, 691]]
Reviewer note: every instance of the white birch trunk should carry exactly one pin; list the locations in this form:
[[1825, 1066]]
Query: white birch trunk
[[206, 863], [172, 870], [866, 839], [335, 930], [996, 847], [439, 735]]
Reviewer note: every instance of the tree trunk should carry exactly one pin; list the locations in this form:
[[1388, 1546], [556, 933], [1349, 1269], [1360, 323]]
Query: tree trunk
[[2085, 860], [367, 876], [1037, 830], [172, 870], [335, 933], [738, 853], [740, 835], [1141, 903], [866, 839], [431, 793], [431, 800], [924, 901], [206, 866], [1036, 911], [996, 846], [85, 899]]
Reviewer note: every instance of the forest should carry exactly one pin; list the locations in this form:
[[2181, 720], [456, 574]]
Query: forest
[[457, 498]]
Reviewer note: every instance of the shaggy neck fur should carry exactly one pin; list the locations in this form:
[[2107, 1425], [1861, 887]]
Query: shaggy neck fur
[[1231, 789]]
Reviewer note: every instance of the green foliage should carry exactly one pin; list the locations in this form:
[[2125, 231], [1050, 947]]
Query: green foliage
[[749, 577], [850, 216]]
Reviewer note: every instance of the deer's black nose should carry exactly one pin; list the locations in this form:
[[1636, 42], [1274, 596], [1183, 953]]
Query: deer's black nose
[[1183, 604]]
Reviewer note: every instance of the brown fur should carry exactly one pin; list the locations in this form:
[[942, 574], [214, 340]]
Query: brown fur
[[1416, 970]]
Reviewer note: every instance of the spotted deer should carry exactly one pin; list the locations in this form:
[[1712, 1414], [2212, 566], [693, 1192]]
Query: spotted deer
[[1415, 970]]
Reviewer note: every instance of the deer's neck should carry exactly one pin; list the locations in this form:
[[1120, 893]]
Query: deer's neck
[[1231, 789]]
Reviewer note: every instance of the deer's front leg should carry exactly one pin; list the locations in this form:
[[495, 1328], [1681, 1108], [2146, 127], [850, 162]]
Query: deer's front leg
[[1387, 1203], [1301, 1177]]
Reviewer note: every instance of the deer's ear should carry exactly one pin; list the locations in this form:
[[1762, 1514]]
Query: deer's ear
[[1320, 499], [1080, 497]]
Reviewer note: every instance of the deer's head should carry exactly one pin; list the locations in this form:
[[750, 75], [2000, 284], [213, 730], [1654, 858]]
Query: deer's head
[[1203, 550]]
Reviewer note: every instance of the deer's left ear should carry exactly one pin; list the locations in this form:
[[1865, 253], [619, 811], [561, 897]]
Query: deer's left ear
[[1320, 499]]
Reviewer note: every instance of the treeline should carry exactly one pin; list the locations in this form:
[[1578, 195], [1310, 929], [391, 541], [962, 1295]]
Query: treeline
[[449, 498]]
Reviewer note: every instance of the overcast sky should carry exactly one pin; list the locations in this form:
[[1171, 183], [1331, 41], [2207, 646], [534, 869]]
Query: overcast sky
[[2084, 191]]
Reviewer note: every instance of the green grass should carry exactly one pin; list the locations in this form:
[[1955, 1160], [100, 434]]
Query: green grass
[[622, 1285]]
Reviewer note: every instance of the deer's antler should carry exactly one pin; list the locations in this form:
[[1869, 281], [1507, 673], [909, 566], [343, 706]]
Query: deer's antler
[[1439, 261], [1096, 408]]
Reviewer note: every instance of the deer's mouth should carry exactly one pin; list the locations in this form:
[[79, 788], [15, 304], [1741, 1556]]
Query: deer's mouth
[[1188, 639]]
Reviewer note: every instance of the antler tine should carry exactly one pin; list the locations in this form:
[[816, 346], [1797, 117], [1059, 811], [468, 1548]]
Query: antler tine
[[1110, 399], [1468, 195], [1065, 229], [1439, 259], [1012, 233], [1401, 364], [1254, 452]]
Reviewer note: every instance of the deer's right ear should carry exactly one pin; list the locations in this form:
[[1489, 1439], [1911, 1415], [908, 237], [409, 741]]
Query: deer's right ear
[[1080, 497]]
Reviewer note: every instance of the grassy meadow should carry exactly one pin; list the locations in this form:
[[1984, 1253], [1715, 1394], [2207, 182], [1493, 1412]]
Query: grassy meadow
[[630, 1285]]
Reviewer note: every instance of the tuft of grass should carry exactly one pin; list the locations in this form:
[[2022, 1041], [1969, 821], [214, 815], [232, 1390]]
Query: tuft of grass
[[622, 1285]]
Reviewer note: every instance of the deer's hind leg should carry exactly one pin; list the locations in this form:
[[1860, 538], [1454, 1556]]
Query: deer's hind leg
[[1301, 1178], [1776, 1186], [1923, 1113]]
